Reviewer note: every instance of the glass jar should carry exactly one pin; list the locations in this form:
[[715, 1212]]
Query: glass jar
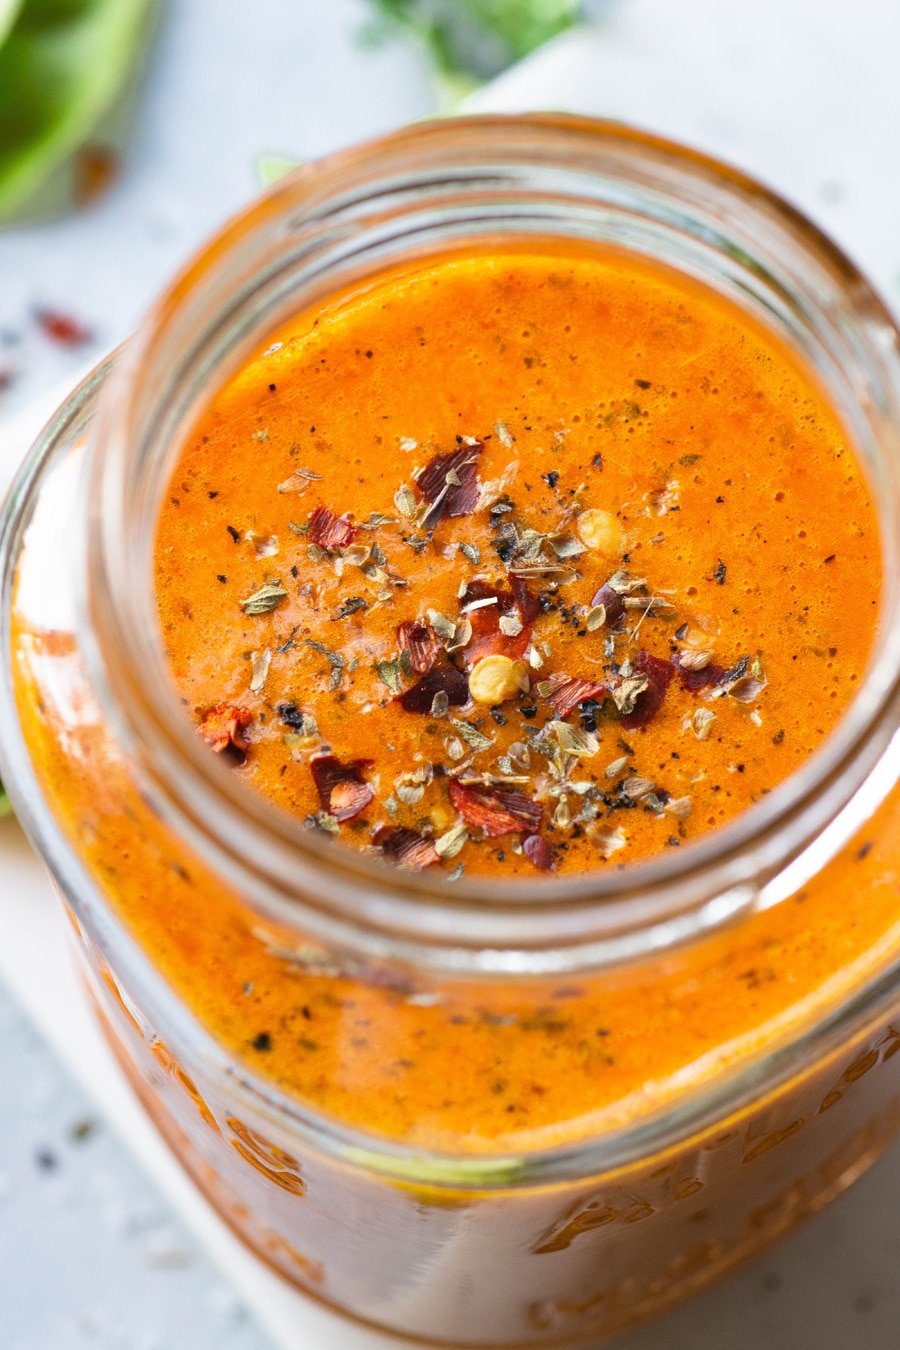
[[645, 1090]]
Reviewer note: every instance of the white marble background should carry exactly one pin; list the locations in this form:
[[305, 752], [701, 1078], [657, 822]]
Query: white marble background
[[799, 91]]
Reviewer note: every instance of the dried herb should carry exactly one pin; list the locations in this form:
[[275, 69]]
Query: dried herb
[[298, 482], [334, 659], [259, 670], [573, 740], [449, 844], [267, 598], [389, 672], [607, 839], [474, 739], [352, 605]]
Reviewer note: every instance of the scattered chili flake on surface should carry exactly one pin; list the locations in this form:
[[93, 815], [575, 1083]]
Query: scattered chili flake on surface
[[329, 530], [488, 637], [343, 791], [407, 848], [648, 703], [494, 811], [565, 692], [223, 727], [262, 1041], [96, 169], [538, 852], [422, 643], [440, 680], [697, 678], [720, 574], [613, 604], [450, 482], [63, 329]]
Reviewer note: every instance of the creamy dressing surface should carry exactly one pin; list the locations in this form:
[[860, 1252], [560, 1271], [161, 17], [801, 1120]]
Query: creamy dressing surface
[[545, 561], [641, 435]]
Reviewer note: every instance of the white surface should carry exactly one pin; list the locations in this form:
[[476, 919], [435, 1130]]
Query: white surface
[[802, 94], [68, 1186]]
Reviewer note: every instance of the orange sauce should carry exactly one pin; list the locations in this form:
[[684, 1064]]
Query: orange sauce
[[591, 383], [593, 392]]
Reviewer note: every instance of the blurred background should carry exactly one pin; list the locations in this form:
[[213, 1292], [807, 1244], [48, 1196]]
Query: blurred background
[[129, 129]]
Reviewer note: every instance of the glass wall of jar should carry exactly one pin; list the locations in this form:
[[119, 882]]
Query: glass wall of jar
[[511, 1119]]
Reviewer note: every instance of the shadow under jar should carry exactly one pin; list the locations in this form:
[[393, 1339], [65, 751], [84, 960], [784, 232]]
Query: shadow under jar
[[743, 1124]]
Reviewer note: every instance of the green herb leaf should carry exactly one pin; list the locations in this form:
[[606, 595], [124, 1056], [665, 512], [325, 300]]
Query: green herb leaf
[[5, 806], [473, 738], [63, 64], [468, 41], [267, 598], [269, 168], [389, 673]]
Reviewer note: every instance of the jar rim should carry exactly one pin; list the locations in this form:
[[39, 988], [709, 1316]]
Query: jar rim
[[276, 861]]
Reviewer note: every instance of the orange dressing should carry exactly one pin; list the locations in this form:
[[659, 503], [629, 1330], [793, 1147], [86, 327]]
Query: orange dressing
[[596, 387], [739, 503]]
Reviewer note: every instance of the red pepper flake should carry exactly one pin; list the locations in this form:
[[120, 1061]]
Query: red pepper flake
[[487, 639], [407, 848], [63, 328], [450, 483], [330, 531], [96, 169], [441, 680], [343, 791], [613, 603], [494, 811], [659, 672], [422, 643], [223, 727], [568, 691], [538, 852], [696, 680]]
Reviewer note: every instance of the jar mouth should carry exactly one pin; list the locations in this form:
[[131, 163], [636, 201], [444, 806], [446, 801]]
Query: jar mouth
[[349, 215]]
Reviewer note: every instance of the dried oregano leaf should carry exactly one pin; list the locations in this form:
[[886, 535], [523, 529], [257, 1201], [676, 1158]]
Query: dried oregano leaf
[[267, 598]]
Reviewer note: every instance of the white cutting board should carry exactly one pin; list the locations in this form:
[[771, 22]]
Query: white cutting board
[[803, 94]]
